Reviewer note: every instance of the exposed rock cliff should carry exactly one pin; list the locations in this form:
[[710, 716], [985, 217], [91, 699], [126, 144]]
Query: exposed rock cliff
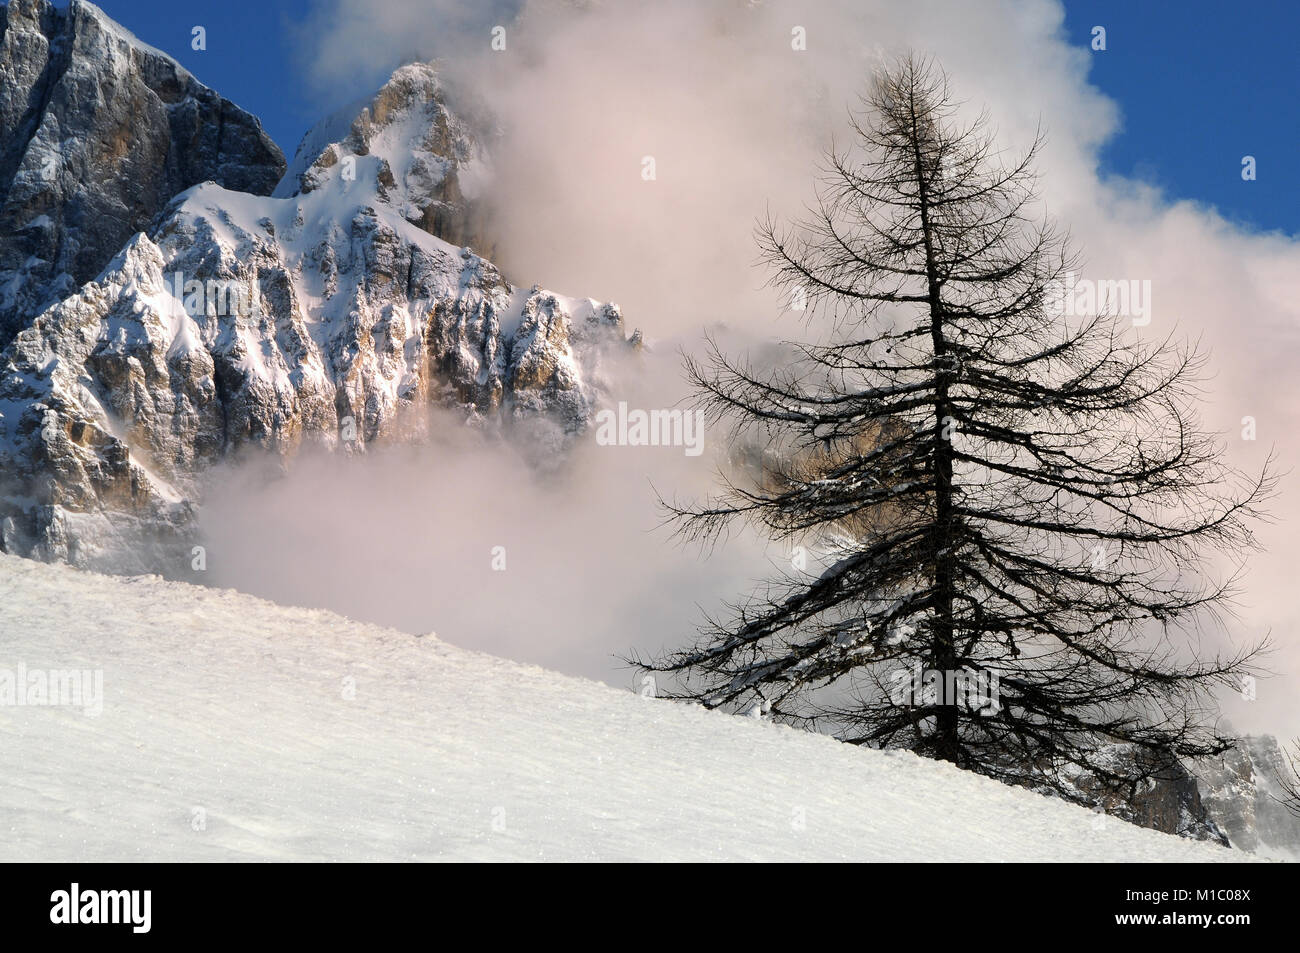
[[97, 133], [1232, 799], [243, 322], [1241, 793], [1169, 800]]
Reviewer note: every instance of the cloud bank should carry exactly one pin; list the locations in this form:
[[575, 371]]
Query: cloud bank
[[734, 116]]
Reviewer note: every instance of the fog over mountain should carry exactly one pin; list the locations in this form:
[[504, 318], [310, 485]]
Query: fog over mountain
[[736, 119]]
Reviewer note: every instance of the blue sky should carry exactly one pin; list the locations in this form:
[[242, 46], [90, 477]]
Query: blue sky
[[1200, 84]]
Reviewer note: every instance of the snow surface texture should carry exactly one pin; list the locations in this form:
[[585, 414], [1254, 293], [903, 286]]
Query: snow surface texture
[[228, 733]]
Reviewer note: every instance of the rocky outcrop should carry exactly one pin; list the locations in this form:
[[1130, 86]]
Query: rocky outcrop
[[430, 163], [327, 314], [1241, 792], [1233, 799], [98, 132], [1168, 799]]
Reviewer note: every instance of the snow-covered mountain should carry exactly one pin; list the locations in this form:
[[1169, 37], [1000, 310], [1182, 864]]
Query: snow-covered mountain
[[98, 132], [228, 728], [325, 314]]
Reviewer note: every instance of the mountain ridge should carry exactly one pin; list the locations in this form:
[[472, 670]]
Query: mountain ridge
[[327, 313], [98, 131]]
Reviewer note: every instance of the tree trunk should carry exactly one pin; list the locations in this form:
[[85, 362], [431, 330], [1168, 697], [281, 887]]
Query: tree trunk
[[943, 644]]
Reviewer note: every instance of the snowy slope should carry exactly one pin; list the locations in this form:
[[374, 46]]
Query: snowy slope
[[227, 734]]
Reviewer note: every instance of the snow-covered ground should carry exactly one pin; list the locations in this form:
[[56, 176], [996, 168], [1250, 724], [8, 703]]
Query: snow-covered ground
[[235, 729]]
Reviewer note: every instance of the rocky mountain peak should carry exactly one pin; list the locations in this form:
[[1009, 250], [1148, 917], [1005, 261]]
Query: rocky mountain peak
[[98, 131], [410, 148], [323, 314]]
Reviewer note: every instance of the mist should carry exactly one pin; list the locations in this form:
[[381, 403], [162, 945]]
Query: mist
[[733, 116], [569, 564]]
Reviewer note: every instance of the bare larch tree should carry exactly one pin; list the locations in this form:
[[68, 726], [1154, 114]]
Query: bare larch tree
[[998, 493]]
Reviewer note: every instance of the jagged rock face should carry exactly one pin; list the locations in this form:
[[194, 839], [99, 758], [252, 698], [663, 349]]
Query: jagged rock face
[[431, 165], [1233, 799], [1169, 800], [326, 315], [1241, 793], [97, 133]]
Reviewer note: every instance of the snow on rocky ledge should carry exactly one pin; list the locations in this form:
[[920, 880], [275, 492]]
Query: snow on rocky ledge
[[245, 322]]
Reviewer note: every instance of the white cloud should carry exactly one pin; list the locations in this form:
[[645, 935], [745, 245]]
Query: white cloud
[[735, 120]]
